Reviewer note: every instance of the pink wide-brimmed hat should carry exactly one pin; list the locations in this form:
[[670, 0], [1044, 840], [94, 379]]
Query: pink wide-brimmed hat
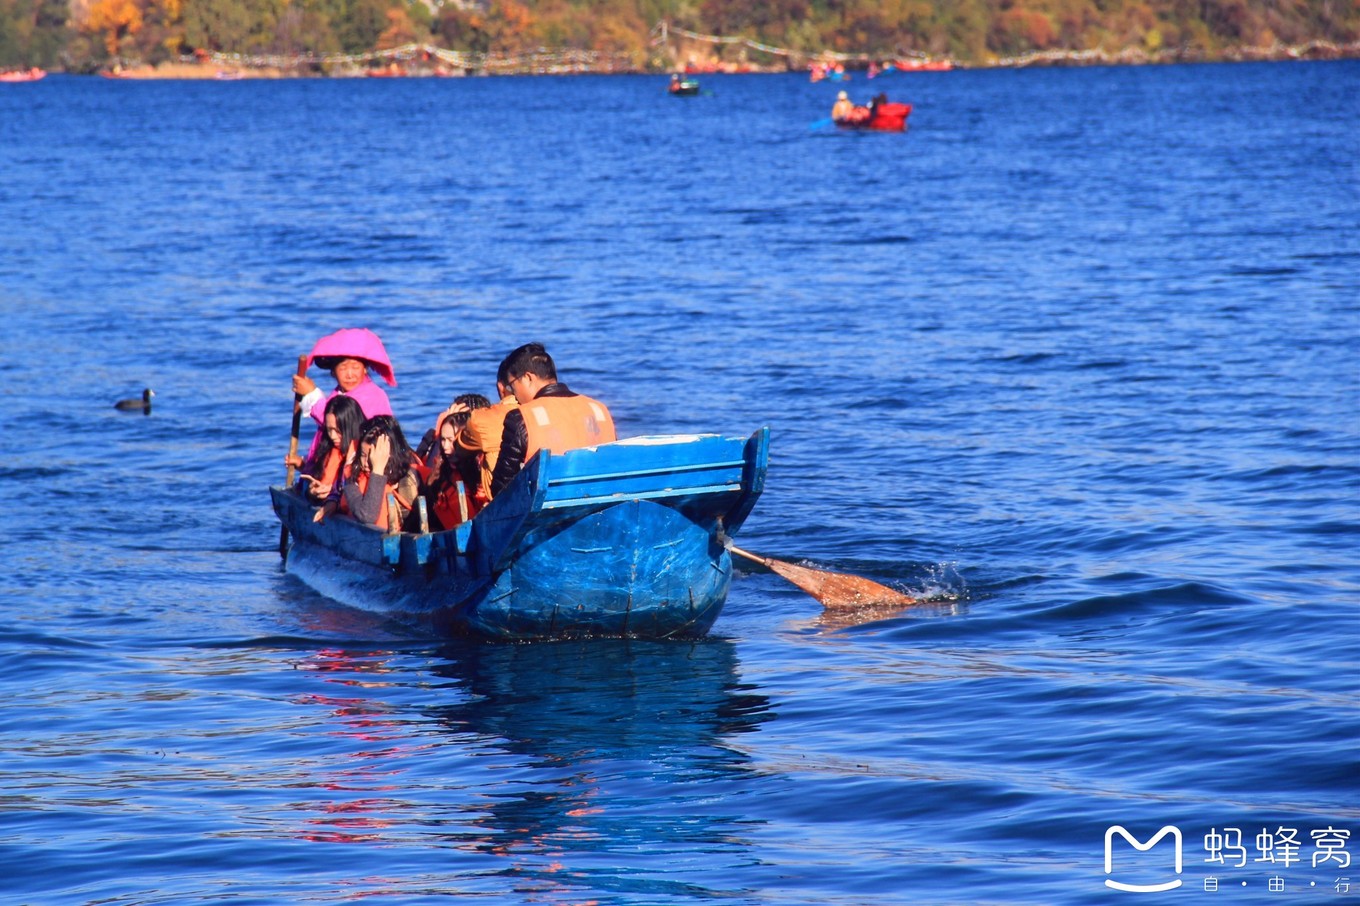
[[355, 343]]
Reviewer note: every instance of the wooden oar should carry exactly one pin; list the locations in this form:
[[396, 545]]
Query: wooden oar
[[835, 590], [292, 449]]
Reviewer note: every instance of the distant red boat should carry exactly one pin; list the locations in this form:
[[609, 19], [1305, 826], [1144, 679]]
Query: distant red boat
[[924, 65], [883, 118], [23, 75]]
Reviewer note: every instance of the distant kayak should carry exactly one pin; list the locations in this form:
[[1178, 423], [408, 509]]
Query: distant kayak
[[23, 75], [883, 118], [911, 66]]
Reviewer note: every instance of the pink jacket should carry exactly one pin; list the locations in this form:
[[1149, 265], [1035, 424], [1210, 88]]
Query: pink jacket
[[368, 395]]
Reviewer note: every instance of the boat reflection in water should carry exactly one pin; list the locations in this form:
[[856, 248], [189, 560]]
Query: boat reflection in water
[[619, 755], [603, 699], [557, 763]]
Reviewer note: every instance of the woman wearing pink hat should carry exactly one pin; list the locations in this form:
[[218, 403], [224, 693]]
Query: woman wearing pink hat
[[347, 354]]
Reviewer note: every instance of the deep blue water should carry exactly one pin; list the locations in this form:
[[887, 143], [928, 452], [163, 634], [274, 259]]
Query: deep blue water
[[1078, 357]]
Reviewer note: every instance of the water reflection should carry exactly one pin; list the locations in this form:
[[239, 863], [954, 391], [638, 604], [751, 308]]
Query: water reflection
[[565, 702], [550, 766], [619, 757], [363, 799]]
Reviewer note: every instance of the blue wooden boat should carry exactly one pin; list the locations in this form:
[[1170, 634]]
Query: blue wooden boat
[[618, 540]]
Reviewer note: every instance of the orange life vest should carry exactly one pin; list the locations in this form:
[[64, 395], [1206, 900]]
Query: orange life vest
[[330, 469], [482, 435], [345, 470], [453, 505], [562, 423]]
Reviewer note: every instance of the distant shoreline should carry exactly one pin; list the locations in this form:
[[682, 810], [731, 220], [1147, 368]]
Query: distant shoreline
[[435, 63]]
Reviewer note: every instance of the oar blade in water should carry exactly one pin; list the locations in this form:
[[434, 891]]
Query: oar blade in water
[[839, 590], [834, 590]]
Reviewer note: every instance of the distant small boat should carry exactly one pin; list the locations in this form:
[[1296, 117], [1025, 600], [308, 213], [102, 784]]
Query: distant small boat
[[23, 75], [924, 65], [684, 87], [883, 118], [228, 75]]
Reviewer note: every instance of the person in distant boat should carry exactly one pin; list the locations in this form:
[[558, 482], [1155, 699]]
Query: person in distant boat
[[859, 115], [550, 415], [334, 459], [879, 100], [348, 355], [385, 485], [676, 82], [479, 436], [842, 109]]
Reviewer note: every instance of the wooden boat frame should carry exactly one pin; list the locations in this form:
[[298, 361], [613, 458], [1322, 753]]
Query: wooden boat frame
[[619, 540]]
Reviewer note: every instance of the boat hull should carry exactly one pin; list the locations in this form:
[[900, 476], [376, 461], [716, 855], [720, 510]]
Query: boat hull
[[619, 541], [888, 118], [23, 75]]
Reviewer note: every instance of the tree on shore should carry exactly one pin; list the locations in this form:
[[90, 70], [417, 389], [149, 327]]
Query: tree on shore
[[32, 32]]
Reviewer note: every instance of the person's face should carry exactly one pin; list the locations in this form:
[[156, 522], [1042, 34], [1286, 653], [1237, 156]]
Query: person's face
[[332, 429], [446, 434], [524, 387], [366, 455], [349, 374]]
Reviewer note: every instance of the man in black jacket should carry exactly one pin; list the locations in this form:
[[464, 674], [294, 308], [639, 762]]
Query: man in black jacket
[[550, 415]]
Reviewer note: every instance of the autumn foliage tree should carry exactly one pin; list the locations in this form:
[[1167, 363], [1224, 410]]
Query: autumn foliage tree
[[114, 21], [971, 31]]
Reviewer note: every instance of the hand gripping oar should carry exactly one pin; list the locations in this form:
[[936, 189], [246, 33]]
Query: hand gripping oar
[[292, 449], [834, 590]]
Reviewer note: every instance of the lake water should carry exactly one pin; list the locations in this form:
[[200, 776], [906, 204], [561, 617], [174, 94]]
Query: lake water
[[1077, 357]]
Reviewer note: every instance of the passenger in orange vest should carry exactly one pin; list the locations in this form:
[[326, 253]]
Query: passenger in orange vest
[[550, 416], [842, 109], [450, 490], [479, 439]]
